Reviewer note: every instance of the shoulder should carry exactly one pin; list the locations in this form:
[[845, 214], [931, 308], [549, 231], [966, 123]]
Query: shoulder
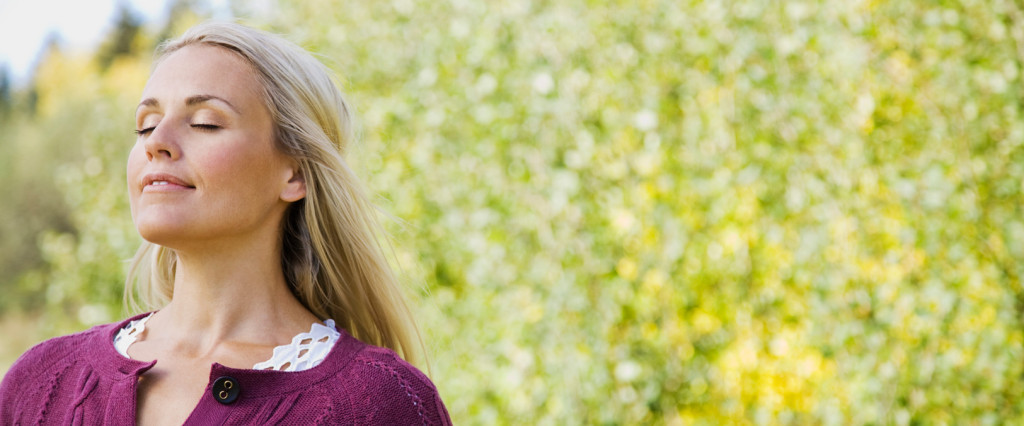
[[382, 388], [49, 353], [43, 363]]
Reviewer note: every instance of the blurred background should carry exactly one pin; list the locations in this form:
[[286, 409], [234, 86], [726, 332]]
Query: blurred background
[[613, 212]]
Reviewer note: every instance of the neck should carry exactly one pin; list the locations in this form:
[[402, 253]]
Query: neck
[[231, 293]]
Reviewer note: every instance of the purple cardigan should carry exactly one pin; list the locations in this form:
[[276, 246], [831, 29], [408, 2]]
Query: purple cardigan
[[82, 379]]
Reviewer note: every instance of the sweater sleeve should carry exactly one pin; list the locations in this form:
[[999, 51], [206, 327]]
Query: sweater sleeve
[[384, 389], [17, 393]]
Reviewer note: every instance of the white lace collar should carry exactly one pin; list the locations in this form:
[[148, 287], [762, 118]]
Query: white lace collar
[[306, 350]]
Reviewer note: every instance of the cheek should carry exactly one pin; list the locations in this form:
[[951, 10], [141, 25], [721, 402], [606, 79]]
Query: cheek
[[245, 169], [218, 170], [136, 161]]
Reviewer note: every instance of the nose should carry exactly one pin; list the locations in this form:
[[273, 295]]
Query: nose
[[162, 143]]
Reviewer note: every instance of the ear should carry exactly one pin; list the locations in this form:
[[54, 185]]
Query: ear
[[295, 189]]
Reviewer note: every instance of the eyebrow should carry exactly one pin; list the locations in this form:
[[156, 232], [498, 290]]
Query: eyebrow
[[189, 101]]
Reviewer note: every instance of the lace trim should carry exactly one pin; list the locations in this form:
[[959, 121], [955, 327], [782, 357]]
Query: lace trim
[[306, 350], [129, 334]]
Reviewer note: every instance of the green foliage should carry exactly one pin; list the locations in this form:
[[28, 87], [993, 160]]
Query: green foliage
[[124, 38], [646, 212], [67, 167]]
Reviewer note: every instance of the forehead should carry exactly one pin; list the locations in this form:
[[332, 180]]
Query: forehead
[[203, 69]]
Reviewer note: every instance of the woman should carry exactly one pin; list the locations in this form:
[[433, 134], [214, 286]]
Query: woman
[[258, 241]]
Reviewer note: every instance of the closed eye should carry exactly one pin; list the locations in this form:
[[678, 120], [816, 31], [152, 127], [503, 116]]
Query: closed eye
[[145, 131], [206, 127]]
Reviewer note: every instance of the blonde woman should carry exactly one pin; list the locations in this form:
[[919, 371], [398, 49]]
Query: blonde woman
[[261, 255]]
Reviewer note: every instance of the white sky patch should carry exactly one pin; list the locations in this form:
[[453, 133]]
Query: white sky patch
[[81, 25]]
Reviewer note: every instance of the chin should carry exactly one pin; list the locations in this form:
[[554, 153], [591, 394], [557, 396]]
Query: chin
[[160, 237], [162, 232]]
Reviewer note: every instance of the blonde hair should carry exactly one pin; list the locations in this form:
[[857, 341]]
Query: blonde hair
[[332, 254]]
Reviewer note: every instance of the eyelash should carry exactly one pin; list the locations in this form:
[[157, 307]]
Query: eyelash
[[202, 127], [206, 127]]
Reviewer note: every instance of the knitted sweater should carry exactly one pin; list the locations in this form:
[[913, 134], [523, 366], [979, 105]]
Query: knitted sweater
[[82, 379]]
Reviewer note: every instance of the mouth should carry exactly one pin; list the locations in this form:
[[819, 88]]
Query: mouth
[[162, 181]]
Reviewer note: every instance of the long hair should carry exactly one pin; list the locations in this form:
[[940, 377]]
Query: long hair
[[332, 250]]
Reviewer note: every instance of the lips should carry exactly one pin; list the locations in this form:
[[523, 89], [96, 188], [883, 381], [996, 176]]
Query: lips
[[164, 181]]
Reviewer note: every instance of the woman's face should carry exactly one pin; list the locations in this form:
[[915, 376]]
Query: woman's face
[[204, 168]]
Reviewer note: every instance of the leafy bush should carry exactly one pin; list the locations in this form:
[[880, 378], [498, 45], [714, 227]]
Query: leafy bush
[[654, 211]]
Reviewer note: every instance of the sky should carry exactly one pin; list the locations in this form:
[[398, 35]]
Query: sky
[[80, 24]]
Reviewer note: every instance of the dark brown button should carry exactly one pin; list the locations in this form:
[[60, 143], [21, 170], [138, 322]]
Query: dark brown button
[[225, 389]]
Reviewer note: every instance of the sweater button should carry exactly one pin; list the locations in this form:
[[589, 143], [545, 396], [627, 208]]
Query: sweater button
[[225, 390]]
